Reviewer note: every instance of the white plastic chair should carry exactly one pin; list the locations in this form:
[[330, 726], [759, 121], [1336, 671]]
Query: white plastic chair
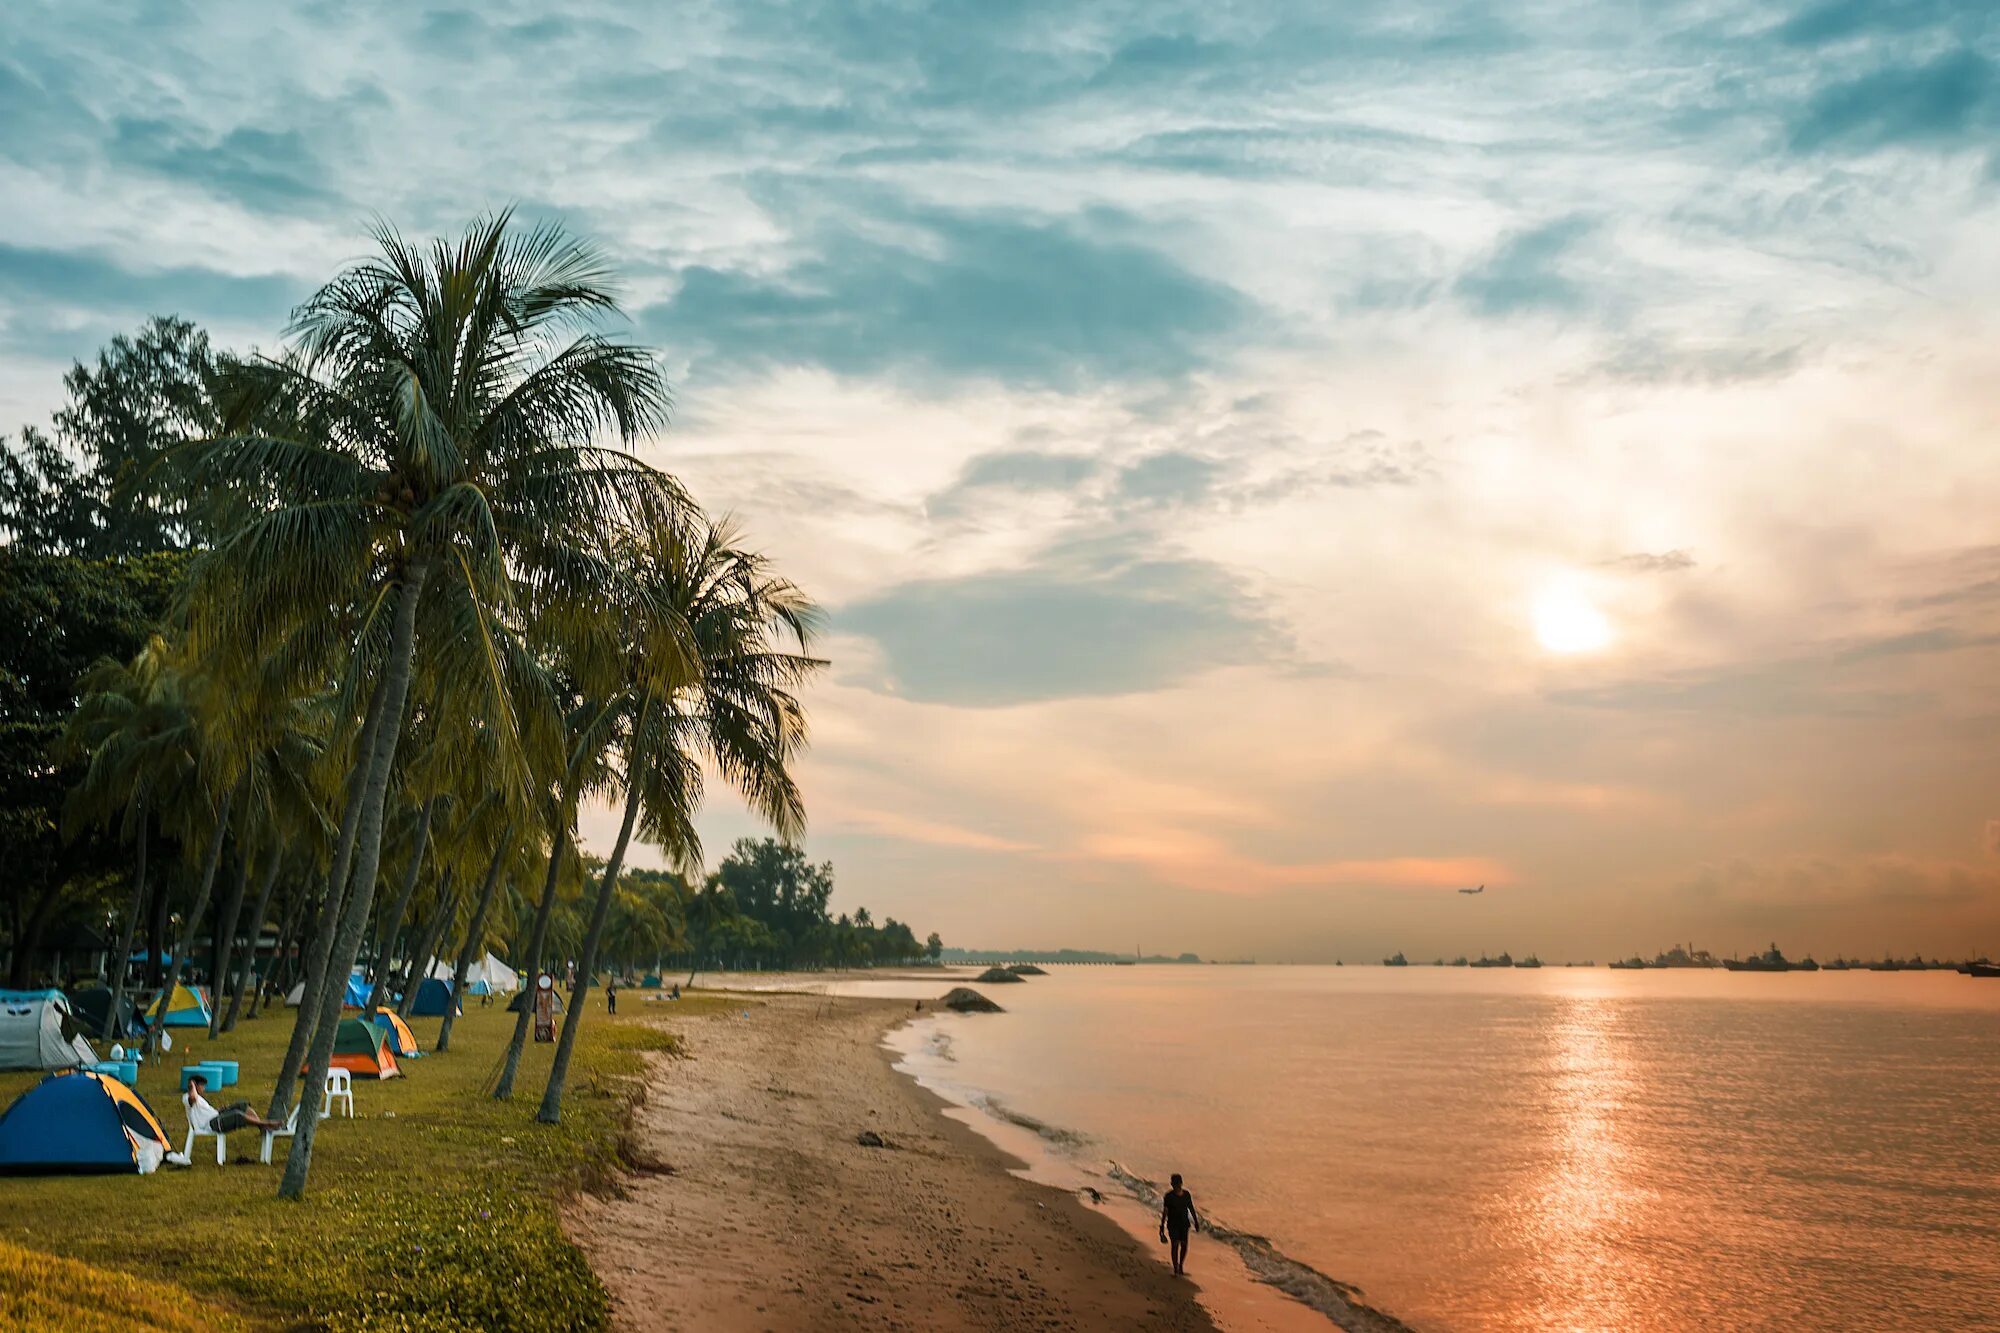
[[291, 1128], [339, 1087], [221, 1149]]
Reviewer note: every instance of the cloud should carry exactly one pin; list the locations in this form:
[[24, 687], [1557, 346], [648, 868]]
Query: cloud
[[1823, 684], [983, 294], [1841, 20], [1526, 271], [1171, 478], [1021, 470], [95, 282], [1947, 102], [1814, 882], [1646, 562], [276, 170], [1085, 619]]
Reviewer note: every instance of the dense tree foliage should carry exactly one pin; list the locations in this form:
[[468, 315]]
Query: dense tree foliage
[[334, 643]]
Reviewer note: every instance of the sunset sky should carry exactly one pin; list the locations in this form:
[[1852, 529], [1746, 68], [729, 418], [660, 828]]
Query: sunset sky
[[1267, 465]]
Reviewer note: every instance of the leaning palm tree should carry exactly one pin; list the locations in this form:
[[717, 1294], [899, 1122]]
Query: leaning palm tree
[[427, 459], [729, 703]]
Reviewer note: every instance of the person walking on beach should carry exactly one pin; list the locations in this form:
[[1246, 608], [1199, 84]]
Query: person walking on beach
[[1177, 1215]]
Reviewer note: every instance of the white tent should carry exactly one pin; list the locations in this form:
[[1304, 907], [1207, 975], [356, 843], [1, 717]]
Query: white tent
[[500, 979], [296, 996], [32, 1024]]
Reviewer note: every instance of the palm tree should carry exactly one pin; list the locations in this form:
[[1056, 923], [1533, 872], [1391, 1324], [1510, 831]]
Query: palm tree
[[425, 459], [729, 702], [134, 726]]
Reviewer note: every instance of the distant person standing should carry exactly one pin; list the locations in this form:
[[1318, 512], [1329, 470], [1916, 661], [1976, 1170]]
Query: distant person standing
[[1177, 1217], [611, 993]]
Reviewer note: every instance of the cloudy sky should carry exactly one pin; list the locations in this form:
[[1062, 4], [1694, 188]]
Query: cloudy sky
[[1268, 464]]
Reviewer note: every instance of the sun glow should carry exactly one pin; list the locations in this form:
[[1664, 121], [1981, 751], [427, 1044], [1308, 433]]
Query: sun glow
[[1566, 621]]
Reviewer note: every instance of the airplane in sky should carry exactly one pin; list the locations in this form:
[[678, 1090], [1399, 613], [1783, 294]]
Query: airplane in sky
[[1480, 889]]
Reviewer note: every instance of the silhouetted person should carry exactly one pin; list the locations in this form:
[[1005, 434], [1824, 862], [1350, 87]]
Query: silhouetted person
[[1177, 1216], [611, 993]]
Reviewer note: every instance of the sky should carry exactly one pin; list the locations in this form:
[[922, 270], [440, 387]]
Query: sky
[[1266, 465]]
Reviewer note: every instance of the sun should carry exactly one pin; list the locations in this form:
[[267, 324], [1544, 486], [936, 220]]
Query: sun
[[1567, 622]]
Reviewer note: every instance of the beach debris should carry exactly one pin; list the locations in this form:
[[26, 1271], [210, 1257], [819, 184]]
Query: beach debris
[[964, 1000], [868, 1138], [1095, 1196], [1026, 970], [996, 975]]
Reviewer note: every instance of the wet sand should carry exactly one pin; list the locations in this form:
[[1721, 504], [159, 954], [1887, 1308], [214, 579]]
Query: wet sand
[[774, 1217]]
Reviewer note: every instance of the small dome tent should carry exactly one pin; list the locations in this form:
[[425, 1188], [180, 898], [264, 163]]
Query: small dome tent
[[38, 1030], [187, 1007], [92, 1007], [402, 1041], [362, 1049], [358, 991], [433, 998], [80, 1122]]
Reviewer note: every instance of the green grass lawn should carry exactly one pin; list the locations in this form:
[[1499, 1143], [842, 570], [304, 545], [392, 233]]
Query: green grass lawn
[[434, 1208]]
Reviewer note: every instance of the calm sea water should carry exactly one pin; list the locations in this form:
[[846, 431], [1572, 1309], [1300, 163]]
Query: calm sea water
[[1562, 1149]]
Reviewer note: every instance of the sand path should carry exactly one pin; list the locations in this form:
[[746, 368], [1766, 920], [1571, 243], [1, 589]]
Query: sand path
[[774, 1218]]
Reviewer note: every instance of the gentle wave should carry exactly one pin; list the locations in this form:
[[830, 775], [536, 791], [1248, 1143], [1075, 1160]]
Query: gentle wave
[[1067, 1139], [1339, 1301]]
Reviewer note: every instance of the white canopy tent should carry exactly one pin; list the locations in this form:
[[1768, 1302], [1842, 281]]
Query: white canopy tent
[[500, 979], [32, 1024]]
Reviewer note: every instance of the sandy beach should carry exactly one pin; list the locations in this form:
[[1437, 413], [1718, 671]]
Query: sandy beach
[[770, 1214]]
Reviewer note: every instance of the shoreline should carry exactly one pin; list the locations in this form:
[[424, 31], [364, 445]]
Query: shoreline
[[761, 1207]]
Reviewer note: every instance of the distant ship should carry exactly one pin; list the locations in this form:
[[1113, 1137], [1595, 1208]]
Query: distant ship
[[1529, 961], [1681, 955], [1771, 960], [1983, 969], [1504, 960], [1632, 964], [1396, 960]]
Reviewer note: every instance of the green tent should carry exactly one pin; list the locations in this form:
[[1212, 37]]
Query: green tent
[[363, 1049]]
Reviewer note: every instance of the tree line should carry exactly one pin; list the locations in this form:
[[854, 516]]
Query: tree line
[[342, 636]]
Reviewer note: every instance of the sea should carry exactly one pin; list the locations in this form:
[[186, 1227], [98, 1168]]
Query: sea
[[1514, 1149]]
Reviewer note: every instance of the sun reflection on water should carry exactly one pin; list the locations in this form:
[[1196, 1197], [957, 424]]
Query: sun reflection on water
[[1580, 1204]]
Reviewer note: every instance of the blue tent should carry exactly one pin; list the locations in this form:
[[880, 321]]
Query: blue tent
[[433, 998], [358, 991], [80, 1122], [478, 986]]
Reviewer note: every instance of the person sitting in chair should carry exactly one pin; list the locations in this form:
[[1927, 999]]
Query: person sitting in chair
[[207, 1120]]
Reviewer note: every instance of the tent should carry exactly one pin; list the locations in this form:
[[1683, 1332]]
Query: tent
[[92, 1007], [433, 998], [488, 976], [38, 1031], [652, 981], [363, 1050], [402, 1041], [523, 1001], [296, 996], [358, 991], [78, 1121], [187, 1009]]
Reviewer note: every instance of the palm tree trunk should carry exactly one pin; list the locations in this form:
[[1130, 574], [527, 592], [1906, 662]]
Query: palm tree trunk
[[156, 929], [225, 940], [394, 920], [246, 972], [418, 966], [321, 948], [607, 886], [536, 938], [474, 933], [121, 961], [400, 664], [200, 906]]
